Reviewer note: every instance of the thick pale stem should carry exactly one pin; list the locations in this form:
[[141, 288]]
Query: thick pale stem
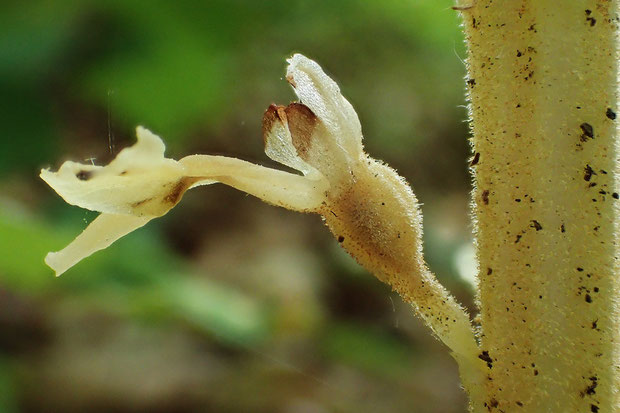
[[543, 86]]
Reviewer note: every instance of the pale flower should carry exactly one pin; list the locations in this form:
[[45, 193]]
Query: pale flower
[[369, 208], [141, 184]]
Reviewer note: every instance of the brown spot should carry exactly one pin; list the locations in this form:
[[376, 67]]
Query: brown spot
[[489, 271], [536, 225], [591, 389], [475, 160], [519, 403], [140, 203], [84, 175], [484, 356], [588, 131], [587, 173], [485, 197], [493, 403], [175, 195], [610, 114], [593, 408], [341, 239], [471, 82], [301, 123], [588, 298]]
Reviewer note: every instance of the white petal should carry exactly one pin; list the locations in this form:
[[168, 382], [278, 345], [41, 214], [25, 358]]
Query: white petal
[[322, 95], [102, 232]]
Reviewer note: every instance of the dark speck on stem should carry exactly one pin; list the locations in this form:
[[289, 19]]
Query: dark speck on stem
[[587, 131]]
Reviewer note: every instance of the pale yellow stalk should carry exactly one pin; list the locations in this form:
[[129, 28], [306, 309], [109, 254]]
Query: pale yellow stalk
[[543, 85]]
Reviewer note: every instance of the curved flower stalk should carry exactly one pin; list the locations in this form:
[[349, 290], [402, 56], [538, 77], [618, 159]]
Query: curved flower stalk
[[369, 208]]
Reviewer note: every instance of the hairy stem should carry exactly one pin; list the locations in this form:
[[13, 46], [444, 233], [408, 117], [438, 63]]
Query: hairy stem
[[543, 85]]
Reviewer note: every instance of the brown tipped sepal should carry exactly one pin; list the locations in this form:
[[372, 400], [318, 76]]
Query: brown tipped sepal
[[298, 119], [301, 123]]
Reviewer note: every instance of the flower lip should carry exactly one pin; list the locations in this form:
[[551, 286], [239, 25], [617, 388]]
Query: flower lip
[[139, 181]]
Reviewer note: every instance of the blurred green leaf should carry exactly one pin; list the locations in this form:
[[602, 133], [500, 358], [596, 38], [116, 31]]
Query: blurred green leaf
[[34, 35], [368, 349], [220, 311]]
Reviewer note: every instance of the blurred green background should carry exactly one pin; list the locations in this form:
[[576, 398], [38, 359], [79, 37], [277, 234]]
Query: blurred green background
[[226, 304]]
